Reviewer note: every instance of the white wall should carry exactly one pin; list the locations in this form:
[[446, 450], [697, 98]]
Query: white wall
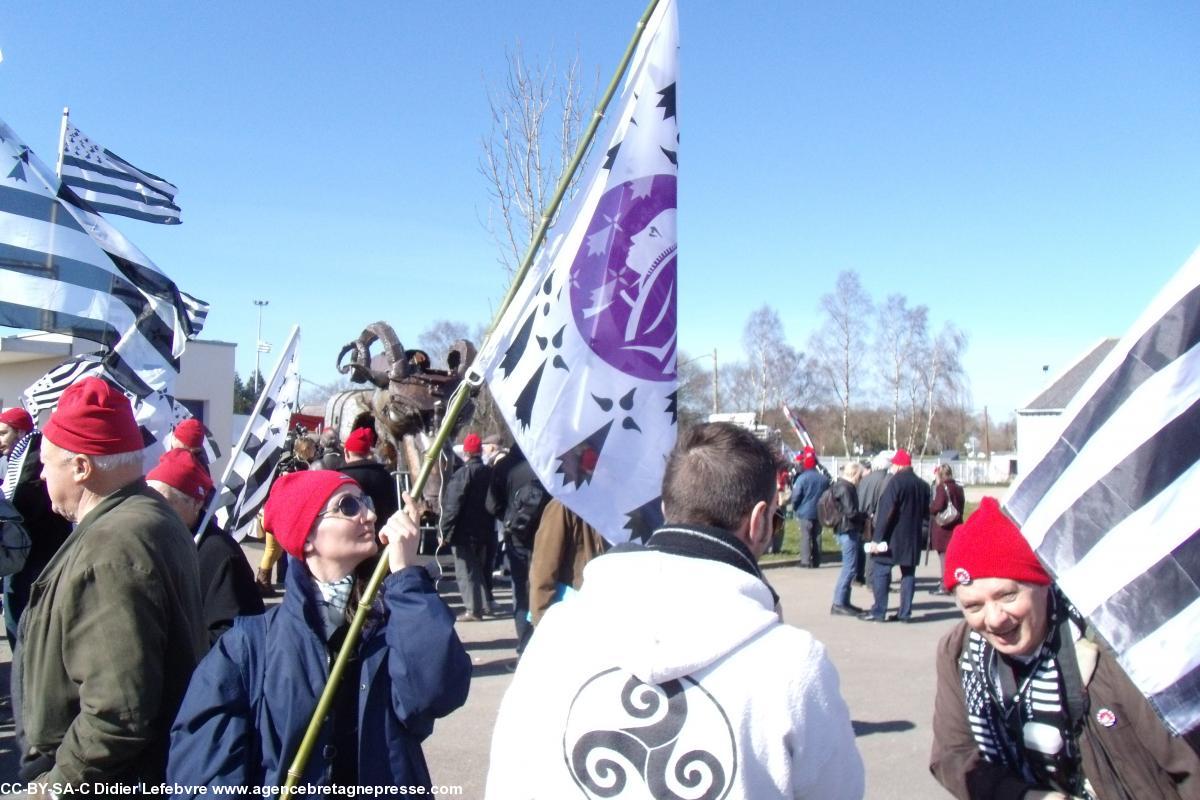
[[1036, 431]]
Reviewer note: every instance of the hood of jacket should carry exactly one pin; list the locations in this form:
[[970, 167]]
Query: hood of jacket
[[665, 616]]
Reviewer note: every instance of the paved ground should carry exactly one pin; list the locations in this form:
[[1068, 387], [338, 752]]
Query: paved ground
[[886, 670]]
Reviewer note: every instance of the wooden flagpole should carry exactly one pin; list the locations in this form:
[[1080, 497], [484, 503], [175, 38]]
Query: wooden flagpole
[[457, 401]]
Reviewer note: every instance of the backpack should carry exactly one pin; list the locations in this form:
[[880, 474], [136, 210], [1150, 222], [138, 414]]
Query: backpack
[[525, 512], [828, 511]]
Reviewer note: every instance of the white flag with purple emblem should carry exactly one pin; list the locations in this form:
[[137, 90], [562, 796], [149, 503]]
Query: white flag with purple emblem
[[1111, 508], [582, 364]]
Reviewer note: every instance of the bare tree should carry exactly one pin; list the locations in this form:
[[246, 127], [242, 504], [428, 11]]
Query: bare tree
[[943, 377], [437, 339], [537, 116], [901, 348], [838, 345], [775, 370]]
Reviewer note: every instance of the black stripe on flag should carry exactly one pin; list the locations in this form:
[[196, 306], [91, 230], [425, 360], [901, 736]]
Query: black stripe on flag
[[138, 170], [1172, 582], [133, 213], [1177, 702], [31, 205], [41, 319], [1134, 481], [89, 276], [84, 165], [151, 198], [1173, 335]]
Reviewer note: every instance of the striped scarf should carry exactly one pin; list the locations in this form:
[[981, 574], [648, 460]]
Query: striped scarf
[[1019, 717], [16, 460]]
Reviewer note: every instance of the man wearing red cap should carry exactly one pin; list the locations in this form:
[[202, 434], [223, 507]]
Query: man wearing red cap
[[1027, 705], [371, 475], [226, 580], [466, 525], [23, 486], [899, 524], [189, 435], [115, 625], [806, 491]]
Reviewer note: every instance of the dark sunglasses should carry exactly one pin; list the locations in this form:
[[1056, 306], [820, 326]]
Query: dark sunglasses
[[350, 505]]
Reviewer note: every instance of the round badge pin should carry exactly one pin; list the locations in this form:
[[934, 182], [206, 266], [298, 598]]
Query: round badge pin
[[1106, 717], [962, 576]]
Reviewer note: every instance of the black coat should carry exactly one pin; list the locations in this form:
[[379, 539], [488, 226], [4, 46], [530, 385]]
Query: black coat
[[900, 519], [846, 497], [226, 581], [465, 517], [378, 484]]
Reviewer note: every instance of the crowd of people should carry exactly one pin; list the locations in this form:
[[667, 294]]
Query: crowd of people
[[143, 652]]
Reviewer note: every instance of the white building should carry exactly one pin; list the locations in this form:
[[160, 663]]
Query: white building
[[1040, 421], [205, 383]]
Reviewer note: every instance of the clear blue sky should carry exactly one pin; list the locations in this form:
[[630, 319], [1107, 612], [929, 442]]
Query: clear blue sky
[[1031, 171]]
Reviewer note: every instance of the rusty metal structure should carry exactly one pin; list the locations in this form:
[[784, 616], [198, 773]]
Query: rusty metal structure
[[407, 402]]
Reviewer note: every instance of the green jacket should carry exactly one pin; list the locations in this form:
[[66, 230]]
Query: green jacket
[[114, 628]]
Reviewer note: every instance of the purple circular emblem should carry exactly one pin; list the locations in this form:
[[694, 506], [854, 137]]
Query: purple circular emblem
[[623, 279]]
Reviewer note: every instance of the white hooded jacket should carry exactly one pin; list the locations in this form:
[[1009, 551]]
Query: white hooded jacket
[[672, 676]]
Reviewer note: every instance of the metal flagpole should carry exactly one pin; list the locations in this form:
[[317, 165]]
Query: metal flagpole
[[62, 141], [453, 409], [258, 405]]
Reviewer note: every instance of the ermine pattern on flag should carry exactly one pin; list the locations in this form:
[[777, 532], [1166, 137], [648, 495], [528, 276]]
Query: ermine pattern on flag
[[582, 363], [114, 186], [251, 469], [1110, 509]]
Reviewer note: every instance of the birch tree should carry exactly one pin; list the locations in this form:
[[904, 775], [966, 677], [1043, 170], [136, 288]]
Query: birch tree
[[839, 344]]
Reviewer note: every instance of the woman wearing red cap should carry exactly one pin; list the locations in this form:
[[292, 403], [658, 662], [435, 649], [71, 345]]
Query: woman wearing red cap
[[1027, 706], [251, 698]]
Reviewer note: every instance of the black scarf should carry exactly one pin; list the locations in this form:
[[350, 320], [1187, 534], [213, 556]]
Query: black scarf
[[1012, 706]]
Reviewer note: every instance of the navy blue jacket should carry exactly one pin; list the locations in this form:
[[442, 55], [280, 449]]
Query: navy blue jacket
[[250, 699], [901, 518], [806, 491]]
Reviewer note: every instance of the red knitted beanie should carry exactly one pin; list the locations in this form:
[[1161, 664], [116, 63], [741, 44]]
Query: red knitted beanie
[[189, 433], [810, 461], [17, 418], [295, 500], [360, 441], [989, 545], [902, 458], [179, 468], [95, 419], [472, 444]]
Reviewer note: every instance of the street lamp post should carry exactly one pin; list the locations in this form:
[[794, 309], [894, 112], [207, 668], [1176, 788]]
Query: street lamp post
[[258, 344]]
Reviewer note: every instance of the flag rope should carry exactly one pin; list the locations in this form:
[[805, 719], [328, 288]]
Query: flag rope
[[454, 408]]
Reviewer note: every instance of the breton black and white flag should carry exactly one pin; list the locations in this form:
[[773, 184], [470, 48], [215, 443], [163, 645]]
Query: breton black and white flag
[[1111, 508], [251, 468], [114, 186], [582, 364], [66, 270], [157, 412]]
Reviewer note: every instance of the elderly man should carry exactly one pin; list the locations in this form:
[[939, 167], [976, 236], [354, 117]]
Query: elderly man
[[114, 625], [23, 486], [1027, 707], [673, 658], [226, 580], [899, 524]]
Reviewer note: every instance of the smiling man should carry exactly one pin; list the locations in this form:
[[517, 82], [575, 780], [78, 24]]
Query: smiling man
[[1027, 706]]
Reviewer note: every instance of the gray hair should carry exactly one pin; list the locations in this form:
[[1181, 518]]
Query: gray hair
[[108, 463], [851, 470]]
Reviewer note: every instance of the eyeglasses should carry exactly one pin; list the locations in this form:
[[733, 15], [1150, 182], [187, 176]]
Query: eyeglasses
[[351, 506]]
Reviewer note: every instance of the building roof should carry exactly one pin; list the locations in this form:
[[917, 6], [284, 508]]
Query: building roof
[[1066, 385]]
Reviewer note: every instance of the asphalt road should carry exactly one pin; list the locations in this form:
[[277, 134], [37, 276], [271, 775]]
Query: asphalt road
[[886, 670]]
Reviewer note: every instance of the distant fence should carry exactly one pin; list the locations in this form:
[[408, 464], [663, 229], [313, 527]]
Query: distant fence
[[999, 469]]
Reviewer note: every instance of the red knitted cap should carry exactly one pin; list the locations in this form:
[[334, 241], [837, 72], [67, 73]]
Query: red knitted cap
[[17, 418], [189, 433], [181, 469], [810, 461], [902, 458], [295, 500], [360, 441], [472, 444], [989, 545], [95, 419]]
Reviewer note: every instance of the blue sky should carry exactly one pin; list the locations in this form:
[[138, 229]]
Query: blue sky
[[1030, 171]]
